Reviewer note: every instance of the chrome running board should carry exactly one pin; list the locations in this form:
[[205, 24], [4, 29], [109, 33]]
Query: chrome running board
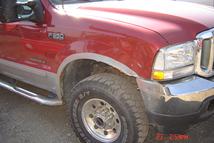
[[45, 100]]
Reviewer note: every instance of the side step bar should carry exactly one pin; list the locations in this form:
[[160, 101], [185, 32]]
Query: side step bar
[[45, 100]]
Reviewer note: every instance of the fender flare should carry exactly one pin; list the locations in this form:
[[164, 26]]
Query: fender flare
[[96, 57]]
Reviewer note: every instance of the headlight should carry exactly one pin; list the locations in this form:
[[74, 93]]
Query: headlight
[[174, 61]]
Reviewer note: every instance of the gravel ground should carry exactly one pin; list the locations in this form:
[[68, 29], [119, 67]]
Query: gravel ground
[[23, 121]]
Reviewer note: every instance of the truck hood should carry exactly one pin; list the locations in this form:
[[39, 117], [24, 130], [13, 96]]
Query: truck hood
[[176, 21]]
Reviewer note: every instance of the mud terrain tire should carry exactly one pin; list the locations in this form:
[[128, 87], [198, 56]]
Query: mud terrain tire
[[99, 97]]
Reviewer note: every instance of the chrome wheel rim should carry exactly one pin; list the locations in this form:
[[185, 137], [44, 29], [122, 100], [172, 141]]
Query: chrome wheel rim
[[101, 120]]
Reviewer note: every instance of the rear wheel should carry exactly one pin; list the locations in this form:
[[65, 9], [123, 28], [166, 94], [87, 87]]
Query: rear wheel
[[106, 108]]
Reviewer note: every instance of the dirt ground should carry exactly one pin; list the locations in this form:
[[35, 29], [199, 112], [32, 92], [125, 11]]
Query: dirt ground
[[23, 121]]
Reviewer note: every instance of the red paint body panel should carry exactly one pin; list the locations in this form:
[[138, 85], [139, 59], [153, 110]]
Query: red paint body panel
[[176, 21], [130, 34]]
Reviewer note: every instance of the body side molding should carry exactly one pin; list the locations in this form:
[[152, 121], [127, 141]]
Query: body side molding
[[27, 74]]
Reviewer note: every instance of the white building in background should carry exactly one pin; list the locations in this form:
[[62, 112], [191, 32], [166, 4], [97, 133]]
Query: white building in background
[[206, 2]]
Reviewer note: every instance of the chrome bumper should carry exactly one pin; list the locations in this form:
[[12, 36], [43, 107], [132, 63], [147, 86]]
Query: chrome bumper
[[181, 97]]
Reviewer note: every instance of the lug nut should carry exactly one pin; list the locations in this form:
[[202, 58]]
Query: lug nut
[[105, 133], [95, 126]]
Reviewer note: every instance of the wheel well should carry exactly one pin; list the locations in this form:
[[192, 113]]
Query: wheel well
[[80, 69]]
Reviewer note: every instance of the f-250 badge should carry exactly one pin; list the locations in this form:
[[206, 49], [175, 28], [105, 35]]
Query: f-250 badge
[[56, 36]]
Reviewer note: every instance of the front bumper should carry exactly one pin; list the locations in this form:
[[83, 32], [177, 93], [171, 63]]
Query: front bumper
[[174, 106]]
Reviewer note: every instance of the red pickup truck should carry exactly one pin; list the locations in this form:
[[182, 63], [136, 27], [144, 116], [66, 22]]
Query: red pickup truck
[[120, 66]]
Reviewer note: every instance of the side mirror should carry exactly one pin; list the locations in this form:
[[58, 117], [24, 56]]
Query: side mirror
[[24, 12], [31, 10]]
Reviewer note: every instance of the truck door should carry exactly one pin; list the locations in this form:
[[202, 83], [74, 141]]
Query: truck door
[[38, 49], [35, 45], [10, 41], [24, 45]]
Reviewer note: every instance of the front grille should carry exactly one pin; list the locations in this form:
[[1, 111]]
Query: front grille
[[205, 54]]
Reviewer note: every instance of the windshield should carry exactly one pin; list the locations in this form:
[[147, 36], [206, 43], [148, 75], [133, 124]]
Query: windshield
[[57, 2]]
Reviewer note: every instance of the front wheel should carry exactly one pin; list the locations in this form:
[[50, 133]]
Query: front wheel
[[106, 108]]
